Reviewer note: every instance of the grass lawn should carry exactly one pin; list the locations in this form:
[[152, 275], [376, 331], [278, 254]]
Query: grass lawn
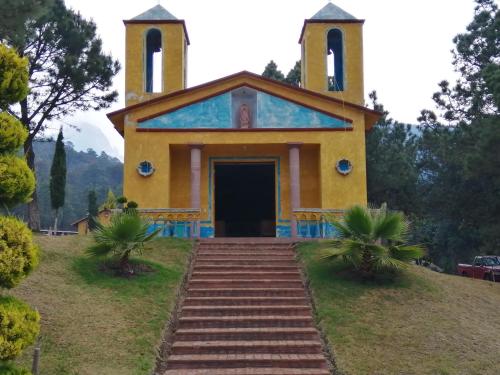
[[423, 323], [95, 324]]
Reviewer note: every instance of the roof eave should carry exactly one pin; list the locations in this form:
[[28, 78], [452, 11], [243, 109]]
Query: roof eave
[[118, 117]]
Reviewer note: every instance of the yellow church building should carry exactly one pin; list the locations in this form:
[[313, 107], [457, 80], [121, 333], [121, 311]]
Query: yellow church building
[[244, 156]]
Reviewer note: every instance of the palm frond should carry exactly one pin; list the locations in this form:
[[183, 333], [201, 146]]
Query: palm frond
[[407, 253], [343, 230], [99, 250], [377, 250], [388, 262], [359, 222], [389, 226], [333, 252]]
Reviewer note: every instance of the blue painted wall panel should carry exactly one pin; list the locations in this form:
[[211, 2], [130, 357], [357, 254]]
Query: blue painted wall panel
[[221, 112], [213, 113], [274, 112]]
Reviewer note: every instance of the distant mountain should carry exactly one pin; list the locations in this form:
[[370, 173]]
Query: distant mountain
[[88, 133], [86, 170]]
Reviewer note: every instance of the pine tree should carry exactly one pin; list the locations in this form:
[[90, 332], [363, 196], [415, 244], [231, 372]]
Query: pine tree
[[58, 177], [68, 72], [294, 75], [271, 71], [93, 210]]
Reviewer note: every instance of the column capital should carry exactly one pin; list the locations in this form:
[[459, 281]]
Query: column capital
[[294, 144], [196, 145]]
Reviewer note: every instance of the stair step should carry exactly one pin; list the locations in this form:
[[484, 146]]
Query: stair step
[[240, 347], [245, 247], [246, 275], [245, 254], [246, 313], [245, 321], [245, 292], [250, 371], [240, 334], [249, 283], [234, 268], [246, 244], [255, 261], [244, 301], [206, 311], [246, 360]]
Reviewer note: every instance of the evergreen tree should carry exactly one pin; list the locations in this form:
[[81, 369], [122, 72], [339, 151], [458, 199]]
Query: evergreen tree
[[459, 164], [18, 254], [15, 14], [294, 75], [271, 71], [93, 210], [391, 162], [110, 202], [17, 182], [58, 177], [68, 71], [474, 51]]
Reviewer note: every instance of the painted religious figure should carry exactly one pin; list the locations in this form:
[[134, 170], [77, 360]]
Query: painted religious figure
[[245, 119]]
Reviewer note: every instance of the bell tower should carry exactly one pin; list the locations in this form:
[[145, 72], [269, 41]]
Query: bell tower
[[332, 54], [156, 55]]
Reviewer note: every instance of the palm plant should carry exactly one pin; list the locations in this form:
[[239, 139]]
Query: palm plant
[[127, 233], [372, 241]]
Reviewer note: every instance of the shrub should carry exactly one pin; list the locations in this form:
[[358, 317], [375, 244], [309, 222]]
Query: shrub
[[17, 181], [7, 368], [12, 133], [19, 327], [18, 253], [373, 241], [121, 200], [126, 234], [13, 77], [132, 205]]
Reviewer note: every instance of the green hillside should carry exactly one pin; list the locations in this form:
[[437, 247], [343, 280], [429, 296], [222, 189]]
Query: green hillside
[[94, 323], [85, 170], [423, 323]]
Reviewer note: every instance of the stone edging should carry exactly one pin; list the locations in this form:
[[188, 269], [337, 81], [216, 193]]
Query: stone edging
[[327, 347], [165, 347]]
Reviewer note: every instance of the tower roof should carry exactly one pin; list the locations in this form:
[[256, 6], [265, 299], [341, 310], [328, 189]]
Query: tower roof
[[156, 13], [332, 12]]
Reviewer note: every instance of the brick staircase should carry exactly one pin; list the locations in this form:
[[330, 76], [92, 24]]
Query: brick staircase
[[246, 313]]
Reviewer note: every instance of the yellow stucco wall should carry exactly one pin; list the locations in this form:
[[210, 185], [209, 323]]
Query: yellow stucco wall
[[82, 227], [322, 186], [273, 153], [173, 48], [314, 50]]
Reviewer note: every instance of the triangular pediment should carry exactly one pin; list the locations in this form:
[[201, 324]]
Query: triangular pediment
[[216, 105], [244, 108]]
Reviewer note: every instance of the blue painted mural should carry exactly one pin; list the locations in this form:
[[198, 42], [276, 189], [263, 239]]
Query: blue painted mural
[[274, 112], [222, 112], [213, 113]]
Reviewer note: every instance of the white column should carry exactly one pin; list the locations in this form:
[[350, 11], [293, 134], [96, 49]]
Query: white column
[[294, 160], [195, 180]]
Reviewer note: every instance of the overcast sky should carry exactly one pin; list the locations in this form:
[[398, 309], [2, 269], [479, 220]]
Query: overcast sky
[[407, 45]]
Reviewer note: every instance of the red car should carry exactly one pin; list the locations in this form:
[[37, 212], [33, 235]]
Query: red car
[[484, 267]]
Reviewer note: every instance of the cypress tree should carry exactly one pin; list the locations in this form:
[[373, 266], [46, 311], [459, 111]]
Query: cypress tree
[[58, 177], [93, 210]]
